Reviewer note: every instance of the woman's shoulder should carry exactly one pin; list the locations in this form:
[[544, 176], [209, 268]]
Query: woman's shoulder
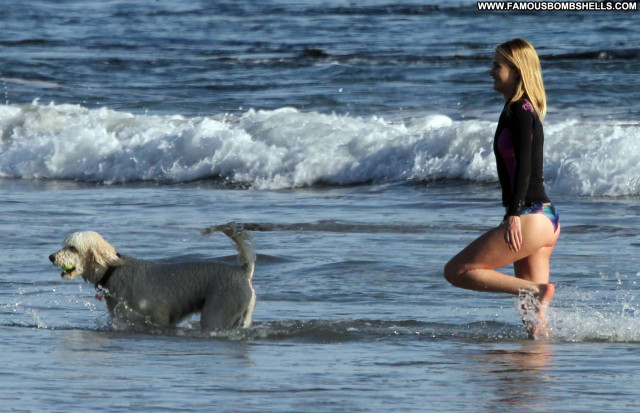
[[522, 106], [522, 110]]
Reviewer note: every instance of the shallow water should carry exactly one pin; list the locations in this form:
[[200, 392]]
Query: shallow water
[[352, 314]]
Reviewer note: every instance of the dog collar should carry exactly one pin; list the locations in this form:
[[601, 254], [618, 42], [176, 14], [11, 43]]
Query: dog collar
[[105, 278], [100, 285]]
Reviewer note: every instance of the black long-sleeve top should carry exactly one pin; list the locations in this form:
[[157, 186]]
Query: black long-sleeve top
[[517, 145]]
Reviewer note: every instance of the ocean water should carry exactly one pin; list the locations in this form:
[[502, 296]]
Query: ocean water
[[359, 135]]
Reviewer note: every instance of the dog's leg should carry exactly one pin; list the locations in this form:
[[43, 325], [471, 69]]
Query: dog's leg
[[214, 317], [247, 317], [211, 323], [210, 316]]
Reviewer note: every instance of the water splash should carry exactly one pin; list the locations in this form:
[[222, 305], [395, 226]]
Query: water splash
[[598, 315]]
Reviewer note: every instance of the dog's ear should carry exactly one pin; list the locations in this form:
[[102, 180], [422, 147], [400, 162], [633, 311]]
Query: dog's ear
[[110, 259], [105, 254]]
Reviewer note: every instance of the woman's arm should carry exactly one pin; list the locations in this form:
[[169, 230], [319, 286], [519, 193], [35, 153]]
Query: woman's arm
[[523, 117]]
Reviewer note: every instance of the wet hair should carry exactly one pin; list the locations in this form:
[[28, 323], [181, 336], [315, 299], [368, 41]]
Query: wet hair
[[523, 57]]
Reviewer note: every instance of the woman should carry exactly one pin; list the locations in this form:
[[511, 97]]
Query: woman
[[530, 229]]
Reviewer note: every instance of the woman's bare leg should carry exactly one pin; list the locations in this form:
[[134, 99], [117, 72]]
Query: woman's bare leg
[[474, 267], [535, 268]]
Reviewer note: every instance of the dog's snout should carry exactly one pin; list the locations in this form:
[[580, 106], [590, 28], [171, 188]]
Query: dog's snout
[[52, 257]]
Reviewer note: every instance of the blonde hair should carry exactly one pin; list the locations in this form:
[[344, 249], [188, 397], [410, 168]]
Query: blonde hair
[[523, 57]]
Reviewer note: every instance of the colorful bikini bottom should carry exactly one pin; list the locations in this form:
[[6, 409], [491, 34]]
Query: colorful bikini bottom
[[547, 209]]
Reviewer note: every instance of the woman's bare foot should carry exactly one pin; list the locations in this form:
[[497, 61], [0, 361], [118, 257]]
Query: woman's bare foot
[[534, 313], [546, 294]]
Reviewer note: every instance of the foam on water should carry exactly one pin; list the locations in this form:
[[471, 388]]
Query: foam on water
[[288, 148]]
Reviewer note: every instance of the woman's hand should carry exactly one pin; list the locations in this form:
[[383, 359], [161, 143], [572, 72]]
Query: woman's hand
[[513, 233]]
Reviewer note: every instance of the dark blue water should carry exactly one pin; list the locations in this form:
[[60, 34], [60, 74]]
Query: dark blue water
[[360, 134], [371, 58]]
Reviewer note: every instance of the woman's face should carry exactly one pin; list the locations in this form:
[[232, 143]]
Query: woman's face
[[505, 77]]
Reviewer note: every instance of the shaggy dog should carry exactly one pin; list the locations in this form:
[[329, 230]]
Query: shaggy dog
[[165, 293]]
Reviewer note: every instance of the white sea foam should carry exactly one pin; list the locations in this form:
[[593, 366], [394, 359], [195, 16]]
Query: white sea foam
[[288, 148]]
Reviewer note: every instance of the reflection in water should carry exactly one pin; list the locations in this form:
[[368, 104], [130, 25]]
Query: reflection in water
[[518, 376]]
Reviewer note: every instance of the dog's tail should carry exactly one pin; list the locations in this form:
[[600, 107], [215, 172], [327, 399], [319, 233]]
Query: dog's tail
[[242, 239]]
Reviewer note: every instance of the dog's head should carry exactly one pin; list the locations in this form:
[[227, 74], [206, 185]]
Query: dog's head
[[86, 254]]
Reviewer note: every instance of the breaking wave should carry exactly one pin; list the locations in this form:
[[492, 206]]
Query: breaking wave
[[288, 148]]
